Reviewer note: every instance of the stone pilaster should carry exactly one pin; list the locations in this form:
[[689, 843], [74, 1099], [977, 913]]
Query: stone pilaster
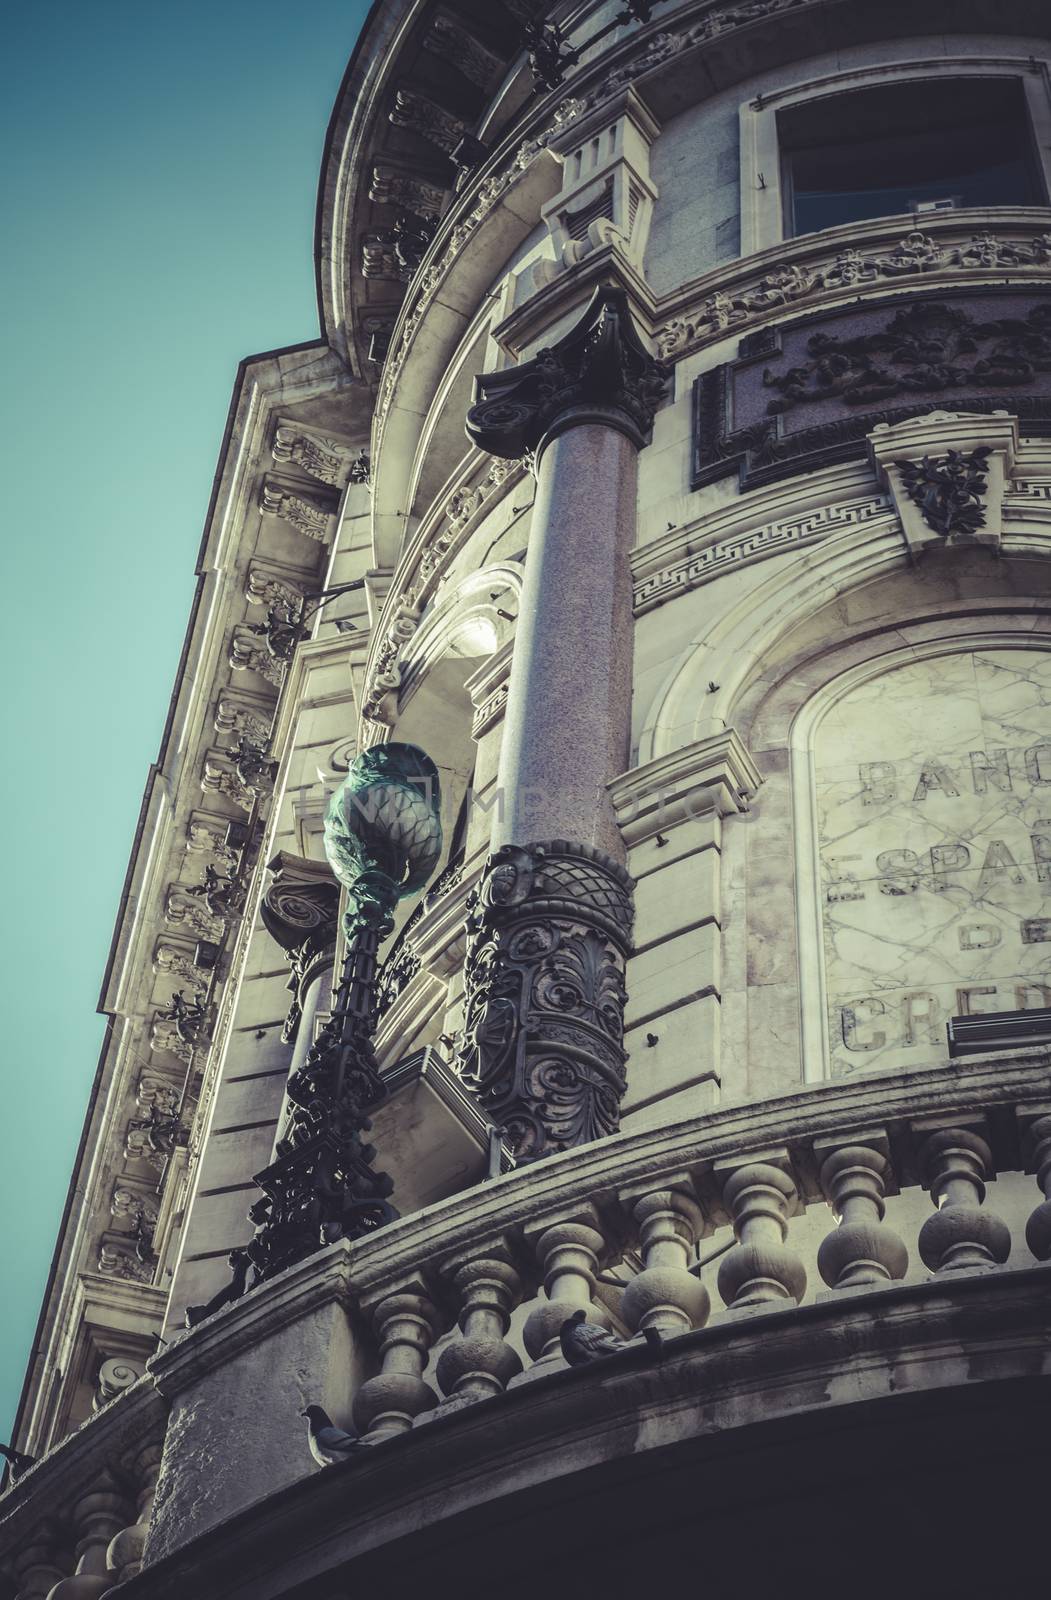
[[552, 923]]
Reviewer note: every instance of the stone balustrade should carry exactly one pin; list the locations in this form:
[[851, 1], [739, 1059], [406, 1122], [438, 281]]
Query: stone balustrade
[[875, 1186], [74, 1525]]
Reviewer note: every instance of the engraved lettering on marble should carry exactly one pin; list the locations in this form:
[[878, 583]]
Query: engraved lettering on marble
[[935, 852]]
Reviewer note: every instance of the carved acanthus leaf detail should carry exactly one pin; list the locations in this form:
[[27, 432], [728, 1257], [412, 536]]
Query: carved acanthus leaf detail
[[549, 929]]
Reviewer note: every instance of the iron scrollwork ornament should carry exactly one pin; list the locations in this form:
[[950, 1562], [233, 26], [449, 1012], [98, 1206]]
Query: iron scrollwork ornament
[[383, 839], [549, 931]]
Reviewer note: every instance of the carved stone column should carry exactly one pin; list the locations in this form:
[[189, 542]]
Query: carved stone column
[[35, 1568], [552, 924], [569, 1250], [962, 1233], [1038, 1228], [407, 1324], [124, 1555], [759, 1269], [665, 1295], [862, 1249], [481, 1363], [98, 1515]]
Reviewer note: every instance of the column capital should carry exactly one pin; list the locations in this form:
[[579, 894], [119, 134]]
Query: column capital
[[599, 372]]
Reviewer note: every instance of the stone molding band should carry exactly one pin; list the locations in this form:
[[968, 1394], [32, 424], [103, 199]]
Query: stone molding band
[[549, 934]]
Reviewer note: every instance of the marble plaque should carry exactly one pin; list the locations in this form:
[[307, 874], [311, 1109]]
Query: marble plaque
[[933, 791]]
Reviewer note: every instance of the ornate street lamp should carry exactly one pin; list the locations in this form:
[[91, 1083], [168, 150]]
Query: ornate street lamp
[[383, 839]]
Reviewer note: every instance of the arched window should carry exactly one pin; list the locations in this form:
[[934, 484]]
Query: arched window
[[923, 792]]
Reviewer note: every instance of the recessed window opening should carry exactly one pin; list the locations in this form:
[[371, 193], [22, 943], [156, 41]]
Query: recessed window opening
[[923, 146]]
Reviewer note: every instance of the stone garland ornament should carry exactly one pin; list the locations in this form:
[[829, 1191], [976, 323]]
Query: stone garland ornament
[[948, 490], [916, 254], [549, 932], [600, 370], [383, 838]]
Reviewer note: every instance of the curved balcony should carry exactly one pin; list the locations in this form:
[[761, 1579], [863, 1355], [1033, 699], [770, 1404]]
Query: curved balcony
[[437, 1338]]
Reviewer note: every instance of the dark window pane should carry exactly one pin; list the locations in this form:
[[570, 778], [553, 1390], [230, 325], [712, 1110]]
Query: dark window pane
[[893, 149]]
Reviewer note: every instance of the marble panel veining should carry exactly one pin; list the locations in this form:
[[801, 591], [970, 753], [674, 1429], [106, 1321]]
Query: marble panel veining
[[933, 816]]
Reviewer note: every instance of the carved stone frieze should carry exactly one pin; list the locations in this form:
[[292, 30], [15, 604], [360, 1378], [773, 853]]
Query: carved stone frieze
[[804, 394], [549, 933], [698, 567], [916, 254], [415, 110], [465, 503], [600, 370], [309, 513], [380, 702]]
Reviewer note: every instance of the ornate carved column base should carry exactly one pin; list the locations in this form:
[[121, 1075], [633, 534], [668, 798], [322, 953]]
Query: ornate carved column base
[[549, 933]]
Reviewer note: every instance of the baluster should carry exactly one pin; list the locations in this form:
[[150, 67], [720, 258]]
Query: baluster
[[35, 1566], [406, 1324], [124, 1555], [98, 1515], [568, 1250], [664, 1295], [962, 1233], [759, 1269], [1038, 1228], [481, 1363], [861, 1250]]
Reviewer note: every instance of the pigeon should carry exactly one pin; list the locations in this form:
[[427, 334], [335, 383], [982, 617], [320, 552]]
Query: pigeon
[[327, 1442], [583, 1342], [17, 1462]]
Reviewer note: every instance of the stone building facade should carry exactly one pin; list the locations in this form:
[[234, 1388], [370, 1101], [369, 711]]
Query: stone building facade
[[674, 470]]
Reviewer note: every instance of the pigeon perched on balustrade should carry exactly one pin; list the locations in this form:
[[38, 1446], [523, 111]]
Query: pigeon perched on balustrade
[[327, 1442], [584, 1342], [17, 1462]]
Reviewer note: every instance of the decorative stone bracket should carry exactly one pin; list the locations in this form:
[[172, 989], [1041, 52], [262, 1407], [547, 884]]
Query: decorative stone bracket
[[947, 472]]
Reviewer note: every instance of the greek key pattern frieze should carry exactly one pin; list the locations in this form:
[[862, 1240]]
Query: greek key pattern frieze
[[741, 549]]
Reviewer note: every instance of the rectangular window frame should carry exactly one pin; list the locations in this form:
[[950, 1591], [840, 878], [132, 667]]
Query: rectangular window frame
[[763, 188]]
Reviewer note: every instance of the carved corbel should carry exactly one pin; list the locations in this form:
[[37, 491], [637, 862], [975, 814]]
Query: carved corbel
[[324, 459], [947, 473], [300, 911], [309, 512]]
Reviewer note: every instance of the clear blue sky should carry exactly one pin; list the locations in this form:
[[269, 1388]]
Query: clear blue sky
[[159, 177]]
